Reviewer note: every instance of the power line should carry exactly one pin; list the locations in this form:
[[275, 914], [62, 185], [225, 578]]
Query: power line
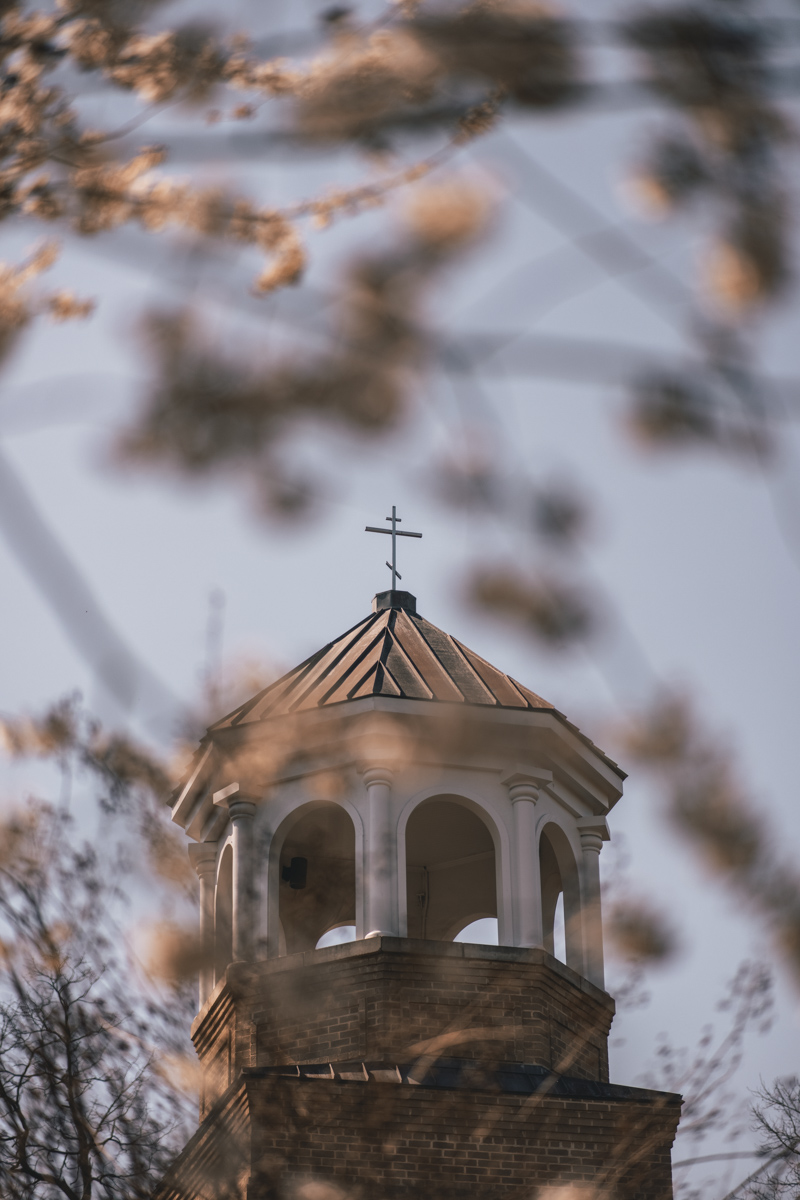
[[41, 554]]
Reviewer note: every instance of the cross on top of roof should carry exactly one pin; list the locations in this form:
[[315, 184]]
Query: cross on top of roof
[[395, 534]]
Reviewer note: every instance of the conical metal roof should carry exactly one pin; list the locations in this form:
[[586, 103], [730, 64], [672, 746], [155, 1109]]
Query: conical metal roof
[[392, 652]]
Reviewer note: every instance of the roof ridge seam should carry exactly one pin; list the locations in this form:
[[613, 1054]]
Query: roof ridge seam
[[300, 671], [470, 667], [428, 649], [386, 671], [245, 709], [353, 666], [522, 688], [388, 637], [517, 687], [360, 681], [376, 669], [422, 620], [411, 664], [335, 662]]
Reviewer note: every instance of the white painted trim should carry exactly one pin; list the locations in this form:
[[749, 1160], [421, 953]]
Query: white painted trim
[[573, 905]]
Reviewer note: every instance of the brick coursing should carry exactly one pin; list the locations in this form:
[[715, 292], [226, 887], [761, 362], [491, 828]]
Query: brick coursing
[[265, 1132], [391, 1141], [389, 999]]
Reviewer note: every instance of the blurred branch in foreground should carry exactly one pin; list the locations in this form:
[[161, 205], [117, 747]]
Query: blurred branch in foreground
[[711, 808], [777, 1116], [96, 1088], [210, 414]]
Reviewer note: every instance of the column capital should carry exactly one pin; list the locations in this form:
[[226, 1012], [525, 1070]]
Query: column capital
[[240, 808], [203, 857], [377, 773], [591, 842], [232, 798], [524, 783], [593, 831]]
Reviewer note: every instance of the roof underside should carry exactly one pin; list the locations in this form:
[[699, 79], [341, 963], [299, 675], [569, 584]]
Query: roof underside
[[391, 653]]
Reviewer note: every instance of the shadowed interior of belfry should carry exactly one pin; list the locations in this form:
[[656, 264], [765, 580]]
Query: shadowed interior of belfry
[[318, 877], [450, 871]]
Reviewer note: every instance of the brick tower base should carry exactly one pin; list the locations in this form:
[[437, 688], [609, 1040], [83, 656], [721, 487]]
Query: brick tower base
[[390, 1067]]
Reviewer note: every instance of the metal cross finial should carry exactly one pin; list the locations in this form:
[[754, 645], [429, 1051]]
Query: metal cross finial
[[395, 533]]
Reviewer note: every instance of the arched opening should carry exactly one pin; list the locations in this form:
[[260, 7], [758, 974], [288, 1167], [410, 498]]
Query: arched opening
[[223, 915], [561, 913], [451, 879], [317, 880]]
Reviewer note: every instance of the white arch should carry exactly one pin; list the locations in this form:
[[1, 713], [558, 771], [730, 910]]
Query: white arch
[[569, 865], [550, 813], [281, 826], [223, 914], [221, 848], [484, 808]]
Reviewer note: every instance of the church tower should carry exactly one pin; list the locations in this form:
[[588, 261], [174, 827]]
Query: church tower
[[392, 790]]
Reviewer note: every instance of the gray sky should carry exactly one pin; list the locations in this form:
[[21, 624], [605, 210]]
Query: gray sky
[[699, 556]]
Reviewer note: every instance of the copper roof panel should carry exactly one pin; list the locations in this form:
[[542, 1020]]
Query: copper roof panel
[[340, 669], [501, 686], [532, 698], [392, 652], [438, 682], [461, 673], [378, 683], [362, 665], [336, 661], [277, 696], [405, 673], [244, 710]]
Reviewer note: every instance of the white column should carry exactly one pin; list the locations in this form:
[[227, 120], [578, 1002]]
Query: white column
[[523, 791], [203, 856], [594, 832], [241, 812], [380, 874]]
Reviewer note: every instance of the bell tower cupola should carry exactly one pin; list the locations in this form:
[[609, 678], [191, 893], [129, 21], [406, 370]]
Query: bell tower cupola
[[396, 784], [348, 823]]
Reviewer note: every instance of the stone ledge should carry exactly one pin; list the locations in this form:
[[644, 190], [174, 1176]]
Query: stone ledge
[[534, 956], [458, 1073], [240, 975]]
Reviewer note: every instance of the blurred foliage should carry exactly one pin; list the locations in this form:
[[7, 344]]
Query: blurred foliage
[[212, 412], [709, 804], [410, 90], [554, 611], [639, 933], [418, 73], [130, 781], [711, 64]]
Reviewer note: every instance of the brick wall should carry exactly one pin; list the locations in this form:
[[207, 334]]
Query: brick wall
[[464, 1131], [393, 998], [394, 1141]]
